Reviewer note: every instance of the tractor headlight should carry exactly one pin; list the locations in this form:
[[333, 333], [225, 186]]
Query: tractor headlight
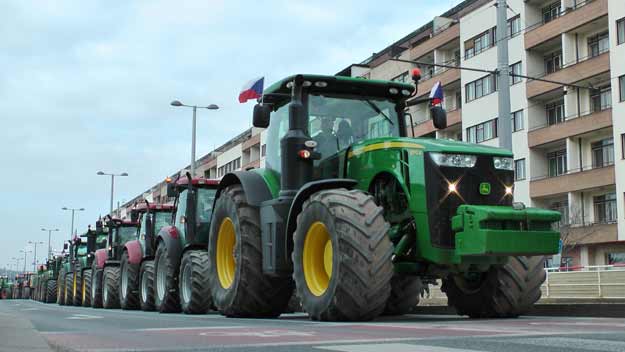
[[503, 163], [454, 160]]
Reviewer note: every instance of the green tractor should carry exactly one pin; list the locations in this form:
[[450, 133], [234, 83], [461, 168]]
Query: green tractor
[[46, 281], [6, 288], [181, 260], [96, 240], [356, 216]]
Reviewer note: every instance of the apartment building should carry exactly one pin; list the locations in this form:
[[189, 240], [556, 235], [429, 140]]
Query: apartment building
[[568, 137]]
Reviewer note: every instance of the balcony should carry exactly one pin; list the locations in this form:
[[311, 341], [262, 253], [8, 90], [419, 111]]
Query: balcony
[[437, 40], [445, 76], [574, 180], [590, 233], [252, 141], [571, 73], [571, 127], [585, 12], [453, 117]]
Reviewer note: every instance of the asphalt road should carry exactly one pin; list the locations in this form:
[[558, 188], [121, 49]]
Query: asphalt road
[[87, 329]]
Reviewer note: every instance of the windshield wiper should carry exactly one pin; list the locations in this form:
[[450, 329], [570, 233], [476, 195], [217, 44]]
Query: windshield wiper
[[377, 110]]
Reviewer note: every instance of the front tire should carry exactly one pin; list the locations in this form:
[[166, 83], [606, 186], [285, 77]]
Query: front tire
[[342, 256], [96, 286], [69, 285], [195, 295], [166, 299], [502, 292], [110, 287], [50, 291], [77, 289], [128, 286], [60, 289], [146, 285], [237, 283]]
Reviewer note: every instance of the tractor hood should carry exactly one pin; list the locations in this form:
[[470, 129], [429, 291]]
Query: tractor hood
[[426, 145]]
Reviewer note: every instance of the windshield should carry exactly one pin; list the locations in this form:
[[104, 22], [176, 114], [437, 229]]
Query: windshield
[[161, 219], [205, 204], [82, 250], [126, 233]]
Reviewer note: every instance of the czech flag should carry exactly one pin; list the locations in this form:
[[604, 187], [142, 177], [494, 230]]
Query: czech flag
[[436, 94], [252, 90]]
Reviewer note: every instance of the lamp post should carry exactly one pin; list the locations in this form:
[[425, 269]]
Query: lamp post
[[17, 263], [73, 211], [177, 103], [35, 258], [25, 252], [101, 173], [49, 237]]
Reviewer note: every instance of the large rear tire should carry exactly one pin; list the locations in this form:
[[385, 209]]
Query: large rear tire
[[60, 289], [194, 291], [146, 285], [86, 288], [110, 287], [237, 283], [96, 286], [166, 298], [129, 285], [77, 290], [405, 291], [50, 291], [502, 292], [342, 256], [69, 284]]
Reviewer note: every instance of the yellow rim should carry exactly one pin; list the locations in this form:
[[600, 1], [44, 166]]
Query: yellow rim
[[83, 289], [226, 239], [74, 286], [317, 258]]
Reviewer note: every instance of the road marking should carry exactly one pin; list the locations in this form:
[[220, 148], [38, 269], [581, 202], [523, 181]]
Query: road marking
[[572, 343], [395, 347], [84, 317], [29, 309], [259, 333], [580, 323], [196, 328]]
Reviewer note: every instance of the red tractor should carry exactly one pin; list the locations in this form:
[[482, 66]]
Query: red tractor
[[136, 289]]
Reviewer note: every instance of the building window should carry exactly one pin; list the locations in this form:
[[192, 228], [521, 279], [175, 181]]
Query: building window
[[601, 99], [519, 170], [621, 85], [623, 145], [480, 87], [620, 31], [563, 208], [514, 26], [551, 12], [263, 150], [616, 258], [555, 112], [553, 62], [602, 152], [557, 163], [515, 69], [479, 43], [605, 208], [482, 132], [598, 44], [517, 120], [403, 78]]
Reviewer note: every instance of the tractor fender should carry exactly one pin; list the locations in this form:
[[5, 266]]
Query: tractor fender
[[254, 186], [305, 192], [169, 236], [100, 257], [134, 250]]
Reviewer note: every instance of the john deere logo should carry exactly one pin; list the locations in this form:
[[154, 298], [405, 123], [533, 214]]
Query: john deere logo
[[484, 188]]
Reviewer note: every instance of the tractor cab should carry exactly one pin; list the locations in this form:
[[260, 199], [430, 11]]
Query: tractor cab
[[193, 207], [152, 218], [119, 232]]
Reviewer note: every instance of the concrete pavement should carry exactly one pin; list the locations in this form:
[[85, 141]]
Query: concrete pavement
[[87, 329], [16, 331]]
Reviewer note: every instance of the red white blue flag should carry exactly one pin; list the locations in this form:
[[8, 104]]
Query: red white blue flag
[[252, 90], [436, 94]]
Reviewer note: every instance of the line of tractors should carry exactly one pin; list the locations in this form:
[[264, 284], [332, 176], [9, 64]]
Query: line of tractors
[[350, 218]]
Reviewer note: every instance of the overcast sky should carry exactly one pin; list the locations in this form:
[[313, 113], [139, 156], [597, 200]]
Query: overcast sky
[[86, 85]]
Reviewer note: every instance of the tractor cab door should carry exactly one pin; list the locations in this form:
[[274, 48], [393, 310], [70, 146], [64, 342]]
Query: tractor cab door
[[181, 214]]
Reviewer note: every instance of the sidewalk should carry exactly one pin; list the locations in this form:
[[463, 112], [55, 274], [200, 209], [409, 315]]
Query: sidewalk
[[16, 332]]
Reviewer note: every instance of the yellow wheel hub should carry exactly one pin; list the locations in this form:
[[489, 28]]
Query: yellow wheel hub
[[317, 258], [226, 239], [83, 289], [74, 286]]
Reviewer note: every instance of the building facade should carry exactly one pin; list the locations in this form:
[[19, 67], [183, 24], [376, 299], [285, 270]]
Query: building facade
[[568, 137]]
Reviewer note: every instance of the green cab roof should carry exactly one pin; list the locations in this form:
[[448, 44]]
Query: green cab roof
[[342, 84]]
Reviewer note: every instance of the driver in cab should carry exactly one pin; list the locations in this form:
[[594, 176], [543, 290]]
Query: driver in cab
[[326, 139]]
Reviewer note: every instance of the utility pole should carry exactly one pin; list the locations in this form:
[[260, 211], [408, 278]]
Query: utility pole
[[503, 78]]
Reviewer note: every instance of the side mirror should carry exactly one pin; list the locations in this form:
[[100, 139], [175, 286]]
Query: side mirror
[[439, 117], [261, 115]]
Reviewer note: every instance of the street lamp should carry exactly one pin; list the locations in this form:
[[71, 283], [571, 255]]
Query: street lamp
[[49, 236], [35, 259], [177, 103], [100, 173], [73, 210], [25, 252]]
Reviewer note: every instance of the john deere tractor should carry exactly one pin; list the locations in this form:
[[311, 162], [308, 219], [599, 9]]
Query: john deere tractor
[[6, 288], [105, 267], [181, 261], [355, 215], [46, 281], [137, 263], [68, 282]]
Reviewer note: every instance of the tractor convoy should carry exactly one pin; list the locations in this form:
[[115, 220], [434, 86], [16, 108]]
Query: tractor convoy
[[350, 217]]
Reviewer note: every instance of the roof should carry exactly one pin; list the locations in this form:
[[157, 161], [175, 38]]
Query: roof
[[143, 207], [124, 222], [198, 182], [341, 84]]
